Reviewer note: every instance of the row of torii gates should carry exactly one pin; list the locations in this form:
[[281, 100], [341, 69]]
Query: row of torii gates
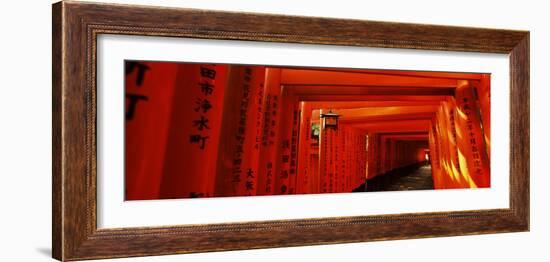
[[237, 130]]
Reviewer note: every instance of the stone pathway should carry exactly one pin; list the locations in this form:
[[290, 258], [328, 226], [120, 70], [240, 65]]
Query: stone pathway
[[416, 177]]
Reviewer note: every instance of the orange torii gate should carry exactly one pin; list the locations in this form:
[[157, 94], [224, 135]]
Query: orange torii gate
[[248, 130]]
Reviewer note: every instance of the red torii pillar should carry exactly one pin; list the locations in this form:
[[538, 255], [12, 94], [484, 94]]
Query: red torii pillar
[[239, 152], [194, 133], [268, 168], [471, 143]]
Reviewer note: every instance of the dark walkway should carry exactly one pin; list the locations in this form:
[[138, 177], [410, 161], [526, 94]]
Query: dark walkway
[[415, 177]]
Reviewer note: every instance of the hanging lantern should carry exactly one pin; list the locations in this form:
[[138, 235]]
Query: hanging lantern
[[330, 120]]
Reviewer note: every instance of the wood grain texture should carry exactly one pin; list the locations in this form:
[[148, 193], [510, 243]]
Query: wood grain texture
[[76, 26], [519, 130], [57, 192]]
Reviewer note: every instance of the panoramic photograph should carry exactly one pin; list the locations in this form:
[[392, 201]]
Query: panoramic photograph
[[201, 130]]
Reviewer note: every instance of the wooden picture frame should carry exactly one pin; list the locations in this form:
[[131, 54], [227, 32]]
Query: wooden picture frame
[[76, 26]]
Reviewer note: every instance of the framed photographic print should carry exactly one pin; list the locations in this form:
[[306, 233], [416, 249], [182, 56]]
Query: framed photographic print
[[182, 130]]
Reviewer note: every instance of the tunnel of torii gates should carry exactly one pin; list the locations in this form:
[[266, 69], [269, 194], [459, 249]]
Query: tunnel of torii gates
[[206, 130]]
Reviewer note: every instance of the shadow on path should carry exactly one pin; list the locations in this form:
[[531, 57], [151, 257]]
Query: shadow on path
[[414, 177]]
